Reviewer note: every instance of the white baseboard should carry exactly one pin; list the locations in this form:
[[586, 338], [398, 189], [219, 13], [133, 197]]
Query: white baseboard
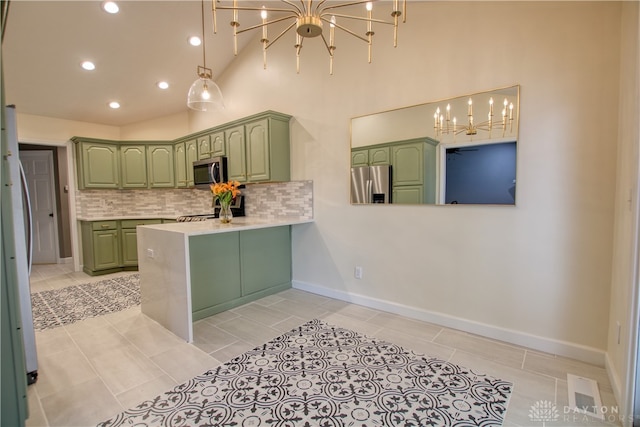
[[68, 260], [583, 353], [614, 380]]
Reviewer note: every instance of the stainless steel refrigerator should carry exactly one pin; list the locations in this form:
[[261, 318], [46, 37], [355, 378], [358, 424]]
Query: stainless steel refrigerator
[[23, 247], [371, 184]]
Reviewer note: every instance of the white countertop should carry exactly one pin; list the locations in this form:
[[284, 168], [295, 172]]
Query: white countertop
[[121, 217], [213, 226]]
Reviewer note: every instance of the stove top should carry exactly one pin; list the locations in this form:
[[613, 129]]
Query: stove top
[[192, 218]]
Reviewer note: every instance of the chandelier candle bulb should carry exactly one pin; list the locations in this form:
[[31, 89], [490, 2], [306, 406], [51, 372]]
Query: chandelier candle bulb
[[470, 111]]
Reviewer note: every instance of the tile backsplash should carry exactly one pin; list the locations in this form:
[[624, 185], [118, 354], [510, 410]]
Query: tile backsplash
[[293, 199]]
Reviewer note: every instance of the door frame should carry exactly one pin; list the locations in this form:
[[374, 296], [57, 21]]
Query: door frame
[[71, 182]]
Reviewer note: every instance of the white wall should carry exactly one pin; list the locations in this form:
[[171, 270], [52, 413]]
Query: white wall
[[539, 272]]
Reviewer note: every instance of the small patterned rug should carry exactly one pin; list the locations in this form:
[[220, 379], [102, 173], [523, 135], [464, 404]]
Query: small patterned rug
[[59, 307], [321, 375]]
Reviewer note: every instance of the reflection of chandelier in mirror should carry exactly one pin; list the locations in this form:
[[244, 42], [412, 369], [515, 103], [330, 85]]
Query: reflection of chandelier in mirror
[[443, 124], [308, 18]]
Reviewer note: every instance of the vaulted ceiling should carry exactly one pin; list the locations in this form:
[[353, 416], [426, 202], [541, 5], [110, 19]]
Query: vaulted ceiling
[[46, 41]]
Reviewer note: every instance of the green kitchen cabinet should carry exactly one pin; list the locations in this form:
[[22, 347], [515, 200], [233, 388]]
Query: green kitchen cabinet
[[414, 171], [371, 156], [191, 152], [236, 158], [100, 247], [185, 153], [359, 157], [218, 147], [234, 268], [180, 164], [133, 166], [215, 271], [380, 156], [129, 241], [408, 194], [204, 147], [160, 162], [265, 256], [98, 164], [258, 150]]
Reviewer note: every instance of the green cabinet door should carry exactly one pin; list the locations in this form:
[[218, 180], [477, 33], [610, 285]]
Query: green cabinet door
[[133, 166], [129, 247], [180, 162], [408, 194], [258, 151], [379, 156], [214, 262], [265, 256], [106, 251], [191, 153], [99, 165], [204, 147], [218, 147], [359, 158], [236, 160], [408, 164], [160, 166]]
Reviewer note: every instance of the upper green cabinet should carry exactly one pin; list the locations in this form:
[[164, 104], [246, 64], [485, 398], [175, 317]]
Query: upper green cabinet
[[218, 147], [133, 166], [236, 159], [258, 151], [370, 156], [256, 147], [98, 164]]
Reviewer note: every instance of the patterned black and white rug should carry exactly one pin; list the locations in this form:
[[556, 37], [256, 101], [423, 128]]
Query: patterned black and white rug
[[321, 375], [64, 306]]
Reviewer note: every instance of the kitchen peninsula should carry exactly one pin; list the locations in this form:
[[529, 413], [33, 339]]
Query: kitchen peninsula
[[192, 270]]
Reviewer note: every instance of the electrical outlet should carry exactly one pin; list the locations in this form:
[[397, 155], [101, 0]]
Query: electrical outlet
[[358, 272], [150, 253]]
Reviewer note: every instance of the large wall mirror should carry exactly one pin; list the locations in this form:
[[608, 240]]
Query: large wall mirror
[[459, 150]]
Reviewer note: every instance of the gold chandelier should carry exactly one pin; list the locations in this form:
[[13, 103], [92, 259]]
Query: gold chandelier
[[444, 124], [309, 17]]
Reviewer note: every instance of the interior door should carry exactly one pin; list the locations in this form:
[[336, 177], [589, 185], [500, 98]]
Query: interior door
[[38, 168]]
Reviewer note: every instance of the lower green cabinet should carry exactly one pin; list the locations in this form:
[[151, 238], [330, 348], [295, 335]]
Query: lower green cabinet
[[100, 247], [230, 269], [110, 246]]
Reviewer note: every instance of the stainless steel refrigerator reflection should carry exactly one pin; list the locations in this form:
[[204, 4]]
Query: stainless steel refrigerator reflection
[[371, 184]]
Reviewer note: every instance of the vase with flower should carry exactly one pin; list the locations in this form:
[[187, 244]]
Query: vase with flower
[[225, 193]]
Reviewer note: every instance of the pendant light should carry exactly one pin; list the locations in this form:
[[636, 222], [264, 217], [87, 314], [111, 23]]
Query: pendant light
[[204, 93]]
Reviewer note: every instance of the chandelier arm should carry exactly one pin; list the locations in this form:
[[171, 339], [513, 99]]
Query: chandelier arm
[[335, 6], [252, 8], [292, 4], [253, 27], [280, 35], [348, 31], [319, 5], [326, 45], [358, 18]]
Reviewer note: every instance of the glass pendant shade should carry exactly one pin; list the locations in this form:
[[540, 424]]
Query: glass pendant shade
[[205, 95]]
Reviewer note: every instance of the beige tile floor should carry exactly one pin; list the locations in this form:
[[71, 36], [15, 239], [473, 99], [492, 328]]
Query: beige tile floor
[[93, 369]]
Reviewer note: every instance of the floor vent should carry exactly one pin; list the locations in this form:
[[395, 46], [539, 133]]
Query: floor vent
[[584, 397]]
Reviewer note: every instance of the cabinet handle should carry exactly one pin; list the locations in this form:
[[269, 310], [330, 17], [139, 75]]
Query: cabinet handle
[[105, 226]]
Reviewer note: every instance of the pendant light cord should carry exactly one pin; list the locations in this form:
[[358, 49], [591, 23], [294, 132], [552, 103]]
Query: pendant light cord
[[204, 57]]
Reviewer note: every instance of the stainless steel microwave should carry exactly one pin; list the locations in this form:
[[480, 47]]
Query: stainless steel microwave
[[209, 171]]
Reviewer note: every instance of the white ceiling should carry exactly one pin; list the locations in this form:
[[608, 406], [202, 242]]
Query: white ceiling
[[45, 42]]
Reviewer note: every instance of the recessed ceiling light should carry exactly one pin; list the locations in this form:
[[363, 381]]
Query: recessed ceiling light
[[163, 85], [110, 7], [114, 105], [195, 41], [88, 65]]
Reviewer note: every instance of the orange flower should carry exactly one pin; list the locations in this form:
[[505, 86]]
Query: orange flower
[[225, 191]]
